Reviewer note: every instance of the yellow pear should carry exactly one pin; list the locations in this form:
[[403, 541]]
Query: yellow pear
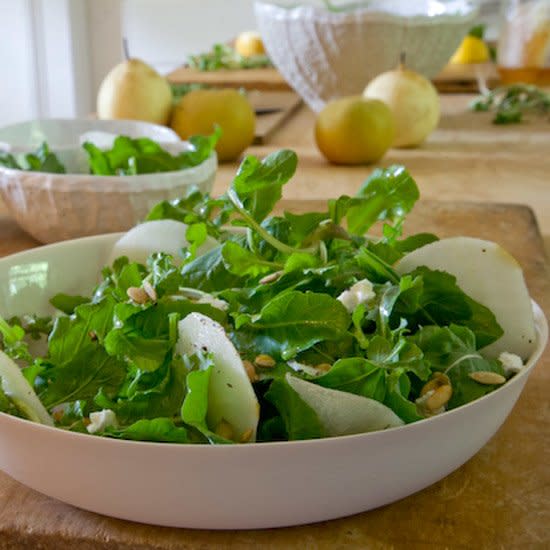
[[199, 111], [354, 130], [134, 90]]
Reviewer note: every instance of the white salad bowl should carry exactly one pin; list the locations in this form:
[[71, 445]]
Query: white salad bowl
[[327, 54], [55, 207], [257, 485]]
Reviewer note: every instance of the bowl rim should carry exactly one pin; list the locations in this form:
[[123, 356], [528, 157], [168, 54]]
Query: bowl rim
[[541, 325], [320, 14]]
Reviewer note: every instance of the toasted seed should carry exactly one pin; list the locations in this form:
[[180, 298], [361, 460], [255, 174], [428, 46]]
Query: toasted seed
[[137, 294], [438, 379], [271, 278], [224, 429], [58, 413], [439, 398], [323, 367], [245, 438], [250, 370], [150, 290], [265, 361], [487, 377]]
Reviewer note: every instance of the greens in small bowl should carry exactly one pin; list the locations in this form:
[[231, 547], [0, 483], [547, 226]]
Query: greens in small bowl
[[85, 190], [227, 342]]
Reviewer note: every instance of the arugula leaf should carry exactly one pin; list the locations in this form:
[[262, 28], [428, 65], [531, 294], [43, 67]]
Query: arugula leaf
[[355, 375], [437, 299], [12, 342], [78, 364], [195, 405], [298, 320], [157, 429], [240, 261], [163, 398], [258, 184], [209, 273], [82, 376], [143, 336], [195, 208], [8, 406], [387, 194], [397, 397], [42, 160], [66, 303], [453, 350], [302, 225], [144, 156]]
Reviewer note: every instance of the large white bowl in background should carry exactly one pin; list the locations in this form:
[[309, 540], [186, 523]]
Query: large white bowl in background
[[226, 487], [54, 207], [326, 54]]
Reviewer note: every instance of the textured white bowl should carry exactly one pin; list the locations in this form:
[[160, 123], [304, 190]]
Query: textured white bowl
[[226, 487], [325, 54], [55, 207]]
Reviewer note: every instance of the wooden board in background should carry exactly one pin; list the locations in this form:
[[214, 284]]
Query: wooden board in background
[[464, 78], [452, 79], [251, 79]]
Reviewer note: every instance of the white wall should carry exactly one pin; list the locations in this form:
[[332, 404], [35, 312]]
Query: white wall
[[105, 39], [164, 32], [18, 99]]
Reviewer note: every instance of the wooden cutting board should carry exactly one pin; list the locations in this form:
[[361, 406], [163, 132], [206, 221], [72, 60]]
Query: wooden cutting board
[[465, 78], [266, 78], [499, 499], [452, 79]]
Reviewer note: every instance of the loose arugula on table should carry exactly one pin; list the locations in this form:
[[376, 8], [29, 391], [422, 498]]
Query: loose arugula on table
[[127, 157], [223, 56], [511, 103], [106, 352]]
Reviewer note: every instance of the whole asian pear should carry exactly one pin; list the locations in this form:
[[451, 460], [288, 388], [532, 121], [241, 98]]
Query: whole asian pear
[[354, 130], [134, 90], [200, 111]]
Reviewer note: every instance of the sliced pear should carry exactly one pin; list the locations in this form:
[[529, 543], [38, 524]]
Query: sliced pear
[[155, 236], [492, 277], [343, 413], [231, 397], [16, 387]]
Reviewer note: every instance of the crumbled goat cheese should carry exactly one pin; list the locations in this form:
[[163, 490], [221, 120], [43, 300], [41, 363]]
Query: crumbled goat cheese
[[511, 363], [360, 293], [101, 420]]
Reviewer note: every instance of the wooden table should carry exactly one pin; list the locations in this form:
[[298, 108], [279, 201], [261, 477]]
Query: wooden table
[[500, 498]]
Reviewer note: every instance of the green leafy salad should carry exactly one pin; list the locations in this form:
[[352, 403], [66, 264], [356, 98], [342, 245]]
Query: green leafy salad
[[259, 327], [127, 157]]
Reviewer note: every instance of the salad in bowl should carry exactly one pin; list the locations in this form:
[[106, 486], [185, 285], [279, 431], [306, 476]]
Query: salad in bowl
[[220, 339]]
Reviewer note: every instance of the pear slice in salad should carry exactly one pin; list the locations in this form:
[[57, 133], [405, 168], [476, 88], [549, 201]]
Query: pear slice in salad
[[343, 413], [231, 397], [21, 393], [155, 236], [492, 277]]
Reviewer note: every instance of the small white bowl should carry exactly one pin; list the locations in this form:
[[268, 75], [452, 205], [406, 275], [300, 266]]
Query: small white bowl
[[248, 486], [54, 207], [325, 54]]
